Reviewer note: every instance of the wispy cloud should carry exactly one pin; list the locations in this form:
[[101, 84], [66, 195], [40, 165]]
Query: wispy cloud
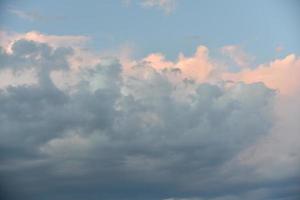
[[238, 55], [32, 15], [167, 6]]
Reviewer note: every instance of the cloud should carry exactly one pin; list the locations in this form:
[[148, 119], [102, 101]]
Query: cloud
[[32, 16], [8, 38], [158, 129], [10, 78], [198, 67], [281, 74], [277, 151], [81, 57], [237, 54], [167, 6]]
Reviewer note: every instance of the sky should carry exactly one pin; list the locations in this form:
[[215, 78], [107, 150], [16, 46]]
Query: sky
[[149, 100], [178, 26]]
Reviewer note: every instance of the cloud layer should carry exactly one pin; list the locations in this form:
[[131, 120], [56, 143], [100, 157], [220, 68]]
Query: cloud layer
[[153, 129]]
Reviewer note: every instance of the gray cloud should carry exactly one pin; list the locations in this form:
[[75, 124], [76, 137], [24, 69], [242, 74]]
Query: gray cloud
[[127, 138]]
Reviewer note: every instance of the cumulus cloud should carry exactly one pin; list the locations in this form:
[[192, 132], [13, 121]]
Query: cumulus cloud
[[81, 57], [198, 67], [8, 38], [157, 129], [281, 74]]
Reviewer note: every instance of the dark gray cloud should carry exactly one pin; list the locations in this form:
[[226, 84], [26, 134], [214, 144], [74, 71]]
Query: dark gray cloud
[[128, 138]]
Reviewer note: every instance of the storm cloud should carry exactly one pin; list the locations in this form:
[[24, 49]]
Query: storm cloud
[[129, 135]]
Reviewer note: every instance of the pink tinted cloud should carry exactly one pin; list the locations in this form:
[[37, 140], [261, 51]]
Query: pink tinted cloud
[[8, 38], [281, 74], [198, 67]]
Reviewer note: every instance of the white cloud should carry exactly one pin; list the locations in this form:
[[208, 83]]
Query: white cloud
[[238, 55], [168, 6], [33, 15]]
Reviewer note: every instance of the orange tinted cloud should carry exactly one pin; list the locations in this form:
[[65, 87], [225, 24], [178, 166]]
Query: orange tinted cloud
[[198, 67], [281, 74], [158, 61]]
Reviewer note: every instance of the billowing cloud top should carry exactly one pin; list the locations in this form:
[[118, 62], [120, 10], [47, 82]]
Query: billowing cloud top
[[114, 128]]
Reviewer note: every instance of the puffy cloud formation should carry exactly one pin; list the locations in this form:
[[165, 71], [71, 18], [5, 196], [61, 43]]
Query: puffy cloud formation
[[281, 74], [154, 130], [198, 67], [8, 38]]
